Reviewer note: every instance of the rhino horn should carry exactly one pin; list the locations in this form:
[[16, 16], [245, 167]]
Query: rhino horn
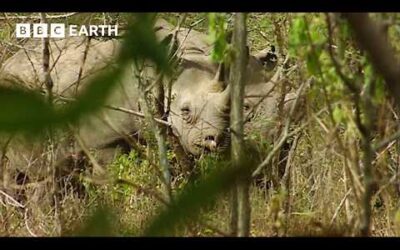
[[218, 83], [226, 94]]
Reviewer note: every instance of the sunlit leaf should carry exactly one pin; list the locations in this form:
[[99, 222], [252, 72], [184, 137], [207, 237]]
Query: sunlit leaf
[[338, 115], [217, 32]]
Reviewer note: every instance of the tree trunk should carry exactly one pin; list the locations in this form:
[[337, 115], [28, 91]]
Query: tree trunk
[[237, 77]]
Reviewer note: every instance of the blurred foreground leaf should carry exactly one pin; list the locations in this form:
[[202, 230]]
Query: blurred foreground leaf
[[217, 32], [27, 111], [196, 196], [23, 110], [100, 223], [141, 43], [94, 96]]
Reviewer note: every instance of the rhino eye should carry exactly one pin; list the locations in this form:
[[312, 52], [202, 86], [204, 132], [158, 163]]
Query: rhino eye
[[185, 110], [246, 107]]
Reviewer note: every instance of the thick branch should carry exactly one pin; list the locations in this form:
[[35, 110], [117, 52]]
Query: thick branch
[[371, 38]]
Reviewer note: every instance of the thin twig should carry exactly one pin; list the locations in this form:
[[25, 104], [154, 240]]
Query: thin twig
[[11, 201], [385, 142], [285, 133], [82, 144], [121, 109], [339, 207], [286, 175], [27, 225], [39, 17], [85, 53], [46, 62], [348, 82], [16, 46]]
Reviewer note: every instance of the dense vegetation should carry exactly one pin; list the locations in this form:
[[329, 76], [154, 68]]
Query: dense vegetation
[[338, 175]]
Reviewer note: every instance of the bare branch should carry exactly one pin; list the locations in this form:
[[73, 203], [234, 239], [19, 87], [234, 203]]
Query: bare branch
[[372, 39], [85, 53], [121, 109], [285, 134], [382, 144], [349, 84]]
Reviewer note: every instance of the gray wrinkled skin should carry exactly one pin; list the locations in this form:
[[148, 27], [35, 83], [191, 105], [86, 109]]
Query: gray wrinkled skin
[[200, 102], [199, 114]]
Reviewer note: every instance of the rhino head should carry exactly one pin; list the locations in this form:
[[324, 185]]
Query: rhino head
[[200, 104], [200, 110]]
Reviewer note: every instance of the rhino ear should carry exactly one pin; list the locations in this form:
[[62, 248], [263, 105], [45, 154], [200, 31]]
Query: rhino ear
[[268, 58]]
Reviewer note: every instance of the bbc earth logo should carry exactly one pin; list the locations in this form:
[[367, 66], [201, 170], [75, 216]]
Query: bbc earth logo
[[60, 30]]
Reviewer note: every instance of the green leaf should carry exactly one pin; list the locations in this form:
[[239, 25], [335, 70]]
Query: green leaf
[[94, 96], [338, 115], [22, 110], [217, 35], [379, 90], [297, 36], [27, 111], [100, 223], [140, 43], [186, 207], [312, 63], [196, 196]]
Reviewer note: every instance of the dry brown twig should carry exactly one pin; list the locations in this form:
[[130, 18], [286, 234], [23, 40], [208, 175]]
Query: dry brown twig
[[342, 202], [27, 225], [285, 135], [121, 109], [37, 17], [10, 200], [97, 169]]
